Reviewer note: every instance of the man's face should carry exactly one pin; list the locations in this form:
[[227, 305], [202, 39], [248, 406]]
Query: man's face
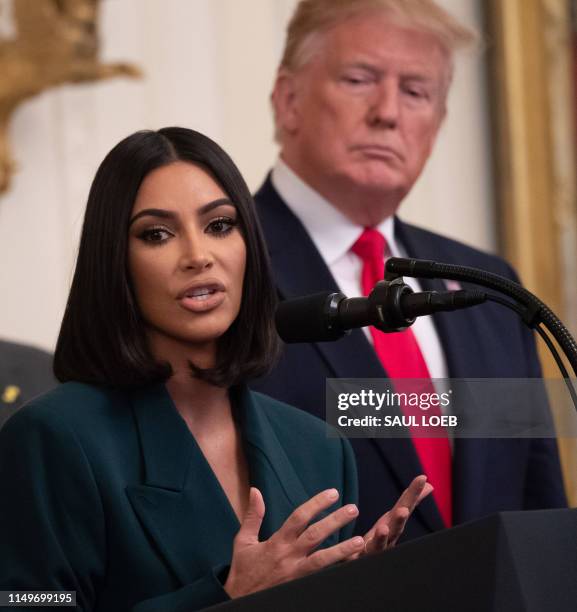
[[364, 113]]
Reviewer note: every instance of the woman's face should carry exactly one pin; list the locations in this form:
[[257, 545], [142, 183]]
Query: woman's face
[[186, 259]]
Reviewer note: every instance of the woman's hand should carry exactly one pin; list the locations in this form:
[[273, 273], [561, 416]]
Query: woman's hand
[[389, 528], [290, 552]]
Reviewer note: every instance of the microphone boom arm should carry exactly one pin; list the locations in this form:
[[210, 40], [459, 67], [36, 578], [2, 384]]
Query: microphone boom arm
[[535, 311]]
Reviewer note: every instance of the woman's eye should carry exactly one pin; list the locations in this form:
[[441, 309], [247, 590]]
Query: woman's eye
[[221, 226], [155, 234]]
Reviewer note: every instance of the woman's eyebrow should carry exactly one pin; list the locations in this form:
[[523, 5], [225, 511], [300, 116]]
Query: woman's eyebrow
[[153, 212], [215, 204], [162, 213]]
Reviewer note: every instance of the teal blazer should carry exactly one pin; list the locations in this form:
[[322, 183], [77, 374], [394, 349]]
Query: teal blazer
[[106, 493]]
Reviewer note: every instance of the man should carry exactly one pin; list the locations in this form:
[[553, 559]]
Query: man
[[359, 99], [25, 372]]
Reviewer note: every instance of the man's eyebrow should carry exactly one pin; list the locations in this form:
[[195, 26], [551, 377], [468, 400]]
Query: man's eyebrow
[[419, 76], [412, 74], [161, 213], [363, 66]]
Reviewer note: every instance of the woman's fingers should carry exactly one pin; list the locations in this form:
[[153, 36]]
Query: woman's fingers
[[413, 494], [389, 528], [327, 556], [286, 554], [299, 520], [291, 551], [378, 541], [250, 526], [427, 490], [396, 526], [318, 532]]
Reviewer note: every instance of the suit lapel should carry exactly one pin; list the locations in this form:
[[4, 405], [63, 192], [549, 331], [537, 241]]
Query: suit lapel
[[299, 270], [180, 494], [456, 332]]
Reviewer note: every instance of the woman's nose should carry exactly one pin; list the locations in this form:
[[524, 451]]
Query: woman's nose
[[195, 255]]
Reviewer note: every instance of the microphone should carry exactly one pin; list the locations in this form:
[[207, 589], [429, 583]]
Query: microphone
[[391, 306], [417, 268]]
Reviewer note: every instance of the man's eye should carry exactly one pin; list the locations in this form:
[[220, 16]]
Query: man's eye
[[417, 93], [221, 226], [355, 80], [155, 234]]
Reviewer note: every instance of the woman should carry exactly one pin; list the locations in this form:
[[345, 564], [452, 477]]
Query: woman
[[141, 482]]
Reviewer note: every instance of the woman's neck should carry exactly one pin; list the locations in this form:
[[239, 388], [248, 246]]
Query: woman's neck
[[204, 406], [207, 412]]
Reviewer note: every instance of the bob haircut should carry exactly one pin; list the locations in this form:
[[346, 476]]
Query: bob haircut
[[102, 339]]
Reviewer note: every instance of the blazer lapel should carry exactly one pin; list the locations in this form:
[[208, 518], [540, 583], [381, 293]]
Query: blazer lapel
[[180, 494], [270, 469], [300, 270]]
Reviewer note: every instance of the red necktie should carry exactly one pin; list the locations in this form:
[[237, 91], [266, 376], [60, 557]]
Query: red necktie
[[402, 358]]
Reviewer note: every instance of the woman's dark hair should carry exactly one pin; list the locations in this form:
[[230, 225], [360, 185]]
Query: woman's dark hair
[[102, 338]]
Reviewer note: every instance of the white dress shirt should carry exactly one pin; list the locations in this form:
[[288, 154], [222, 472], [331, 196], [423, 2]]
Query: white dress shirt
[[333, 234]]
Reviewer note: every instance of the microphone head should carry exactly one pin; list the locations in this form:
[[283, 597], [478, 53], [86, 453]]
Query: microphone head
[[310, 318], [416, 268]]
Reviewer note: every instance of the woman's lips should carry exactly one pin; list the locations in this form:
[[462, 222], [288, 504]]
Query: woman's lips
[[202, 298], [202, 303]]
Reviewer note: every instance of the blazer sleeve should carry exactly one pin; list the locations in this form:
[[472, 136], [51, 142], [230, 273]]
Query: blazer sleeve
[[52, 528], [202, 593], [52, 522]]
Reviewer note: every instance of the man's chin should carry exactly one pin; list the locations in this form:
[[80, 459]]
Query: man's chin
[[383, 184], [373, 174]]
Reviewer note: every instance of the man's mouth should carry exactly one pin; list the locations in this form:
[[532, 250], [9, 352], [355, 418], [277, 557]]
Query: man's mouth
[[379, 151]]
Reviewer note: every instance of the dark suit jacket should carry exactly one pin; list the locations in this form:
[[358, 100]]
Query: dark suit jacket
[[25, 372], [483, 342], [106, 493]]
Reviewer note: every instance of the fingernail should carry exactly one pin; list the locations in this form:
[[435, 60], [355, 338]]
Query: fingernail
[[352, 510], [358, 542], [332, 494]]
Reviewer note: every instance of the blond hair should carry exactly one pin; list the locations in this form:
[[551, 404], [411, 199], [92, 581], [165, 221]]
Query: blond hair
[[315, 17]]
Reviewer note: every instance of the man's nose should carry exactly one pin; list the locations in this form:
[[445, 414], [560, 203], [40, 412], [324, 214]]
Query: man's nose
[[195, 254], [384, 107]]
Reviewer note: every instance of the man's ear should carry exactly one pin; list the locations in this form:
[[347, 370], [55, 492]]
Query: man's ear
[[284, 102], [443, 114]]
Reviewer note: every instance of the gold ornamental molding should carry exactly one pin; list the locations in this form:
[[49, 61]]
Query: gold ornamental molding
[[532, 77], [50, 42]]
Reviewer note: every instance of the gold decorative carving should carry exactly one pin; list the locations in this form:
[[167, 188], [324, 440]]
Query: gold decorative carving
[[536, 160], [56, 42]]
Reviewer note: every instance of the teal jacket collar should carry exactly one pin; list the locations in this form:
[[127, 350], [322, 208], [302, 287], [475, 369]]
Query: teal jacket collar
[[179, 487]]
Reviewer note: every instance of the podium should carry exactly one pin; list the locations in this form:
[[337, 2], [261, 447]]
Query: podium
[[507, 562]]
